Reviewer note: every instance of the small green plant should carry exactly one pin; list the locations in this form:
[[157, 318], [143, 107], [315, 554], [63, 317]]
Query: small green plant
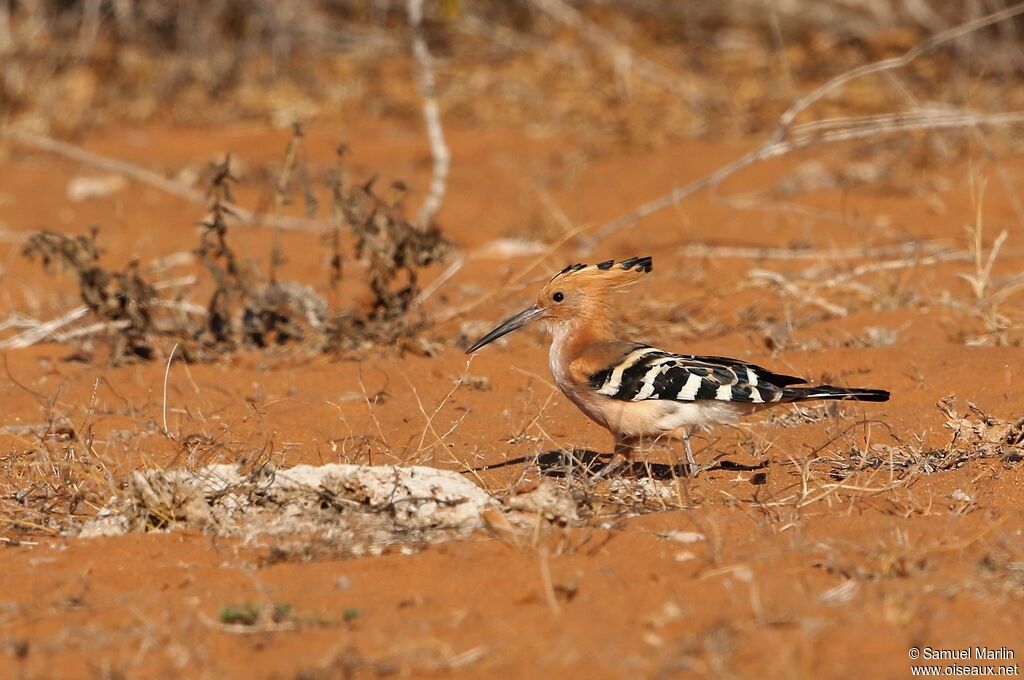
[[245, 614], [282, 610], [251, 613]]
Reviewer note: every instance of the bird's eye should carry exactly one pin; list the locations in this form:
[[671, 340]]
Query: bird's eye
[[558, 297]]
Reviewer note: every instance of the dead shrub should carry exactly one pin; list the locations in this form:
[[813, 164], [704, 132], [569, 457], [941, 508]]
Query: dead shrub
[[245, 310]]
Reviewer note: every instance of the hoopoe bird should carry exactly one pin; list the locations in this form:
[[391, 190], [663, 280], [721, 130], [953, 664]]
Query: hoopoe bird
[[640, 392]]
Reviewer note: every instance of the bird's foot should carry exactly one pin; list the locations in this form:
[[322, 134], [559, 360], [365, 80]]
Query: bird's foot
[[608, 469]]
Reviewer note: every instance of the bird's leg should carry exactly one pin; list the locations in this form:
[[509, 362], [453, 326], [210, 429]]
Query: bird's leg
[[624, 448], [621, 455], [691, 462]]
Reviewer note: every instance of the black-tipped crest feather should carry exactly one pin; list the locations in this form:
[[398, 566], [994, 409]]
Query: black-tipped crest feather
[[643, 264]]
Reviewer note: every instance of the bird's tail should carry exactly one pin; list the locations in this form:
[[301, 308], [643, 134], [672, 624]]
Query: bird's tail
[[831, 392]]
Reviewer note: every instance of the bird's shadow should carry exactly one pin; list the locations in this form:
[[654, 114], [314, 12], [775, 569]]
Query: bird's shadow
[[579, 462]]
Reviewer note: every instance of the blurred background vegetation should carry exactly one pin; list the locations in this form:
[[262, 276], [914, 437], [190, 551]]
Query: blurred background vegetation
[[632, 71]]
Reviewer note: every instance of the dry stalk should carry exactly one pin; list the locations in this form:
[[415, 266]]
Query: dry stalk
[[167, 373], [431, 116], [50, 145], [545, 577], [757, 201], [90, 29], [510, 285], [788, 138], [623, 57], [698, 250], [890, 265], [6, 40], [986, 300], [373, 415], [806, 136], [797, 293], [39, 331], [451, 270], [981, 279], [802, 104], [429, 418]]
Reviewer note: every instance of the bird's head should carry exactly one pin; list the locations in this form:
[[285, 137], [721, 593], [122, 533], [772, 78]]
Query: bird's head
[[577, 292]]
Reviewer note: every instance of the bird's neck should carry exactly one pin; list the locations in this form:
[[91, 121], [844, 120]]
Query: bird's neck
[[571, 336]]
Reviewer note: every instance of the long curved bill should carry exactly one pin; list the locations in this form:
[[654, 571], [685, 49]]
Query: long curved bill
[[507, 326]]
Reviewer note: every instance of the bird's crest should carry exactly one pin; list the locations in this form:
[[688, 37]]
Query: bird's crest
[[608, 274]]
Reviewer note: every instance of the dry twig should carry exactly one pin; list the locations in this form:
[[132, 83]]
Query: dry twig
[[623, 56], [431, 116], [788, 138], [169, 186], [802, 104], [821, 132]]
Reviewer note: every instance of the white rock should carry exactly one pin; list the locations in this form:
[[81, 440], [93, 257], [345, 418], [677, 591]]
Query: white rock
[[81, 187]]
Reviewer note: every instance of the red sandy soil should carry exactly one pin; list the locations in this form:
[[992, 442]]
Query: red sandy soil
[[916, 564]]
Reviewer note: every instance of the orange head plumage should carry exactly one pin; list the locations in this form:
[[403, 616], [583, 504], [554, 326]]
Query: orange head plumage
[[579, 291]]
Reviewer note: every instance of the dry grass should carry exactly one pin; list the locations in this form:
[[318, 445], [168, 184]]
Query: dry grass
[[151, 471], [294, 60], [59, 480]]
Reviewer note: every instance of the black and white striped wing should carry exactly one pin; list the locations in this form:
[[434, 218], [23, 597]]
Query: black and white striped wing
[[650, 373]]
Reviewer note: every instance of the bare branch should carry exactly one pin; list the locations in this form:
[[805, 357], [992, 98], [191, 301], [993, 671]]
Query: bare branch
[[6, 39], [813, 134], [50, 145], [813, 254], [43, 330], [431, 116], [788, 138], [910, 55], [90, 29], [794, 291], [622, 55]]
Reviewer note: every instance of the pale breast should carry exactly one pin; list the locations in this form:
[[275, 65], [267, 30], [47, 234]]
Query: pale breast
[[577, 394], [653, 418]]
